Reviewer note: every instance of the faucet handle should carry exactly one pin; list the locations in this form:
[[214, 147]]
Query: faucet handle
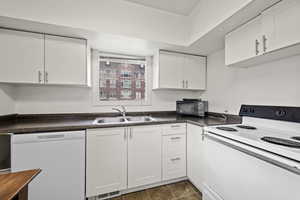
[[123, 107]]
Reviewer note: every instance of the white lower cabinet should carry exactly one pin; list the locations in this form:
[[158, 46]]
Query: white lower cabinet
[[129, 157], [106, 169], [174, 156], [144, 155], [195, 157]]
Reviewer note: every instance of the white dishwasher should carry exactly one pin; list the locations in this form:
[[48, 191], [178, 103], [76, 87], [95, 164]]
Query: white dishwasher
[[60, 155]]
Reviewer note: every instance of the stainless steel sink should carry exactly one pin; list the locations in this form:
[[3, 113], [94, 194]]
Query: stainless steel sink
[[121, 120], [110, 120], [140, 119]]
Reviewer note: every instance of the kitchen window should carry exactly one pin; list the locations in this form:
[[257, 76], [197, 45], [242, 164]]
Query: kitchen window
[[120, 79]]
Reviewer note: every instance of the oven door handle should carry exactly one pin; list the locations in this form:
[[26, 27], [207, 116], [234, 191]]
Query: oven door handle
[[292, 167]]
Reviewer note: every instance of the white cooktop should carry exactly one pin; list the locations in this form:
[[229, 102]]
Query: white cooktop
[[264, 128]]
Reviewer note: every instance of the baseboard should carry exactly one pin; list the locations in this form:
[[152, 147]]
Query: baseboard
[[198, 188], [144, 187], [140, 188]]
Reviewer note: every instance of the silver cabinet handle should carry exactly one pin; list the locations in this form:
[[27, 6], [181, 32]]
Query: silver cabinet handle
[[46, 77], [175, 126], [186, 84], [175, 159], [264, 42], [175, 138], [131, 135], [125, 134], [256, 47], [183, 84], [39, 76], [45, 137]]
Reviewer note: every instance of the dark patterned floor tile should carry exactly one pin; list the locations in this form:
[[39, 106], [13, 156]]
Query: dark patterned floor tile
[[177, 191], [181, 189], [191, 197], [160, 193], [142, 195]]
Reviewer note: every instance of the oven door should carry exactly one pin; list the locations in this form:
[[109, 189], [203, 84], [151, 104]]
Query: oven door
[[236, 171], [5, 144]]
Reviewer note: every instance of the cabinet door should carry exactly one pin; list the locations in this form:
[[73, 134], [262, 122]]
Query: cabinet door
[[195, 156], [21, 57], [244, 42], [280, 25], [106, 168], [65, 60], [174, 156], [170, 74], [194, 72], [144, 155]]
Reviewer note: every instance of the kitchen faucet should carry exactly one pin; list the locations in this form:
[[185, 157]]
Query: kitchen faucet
[[121, 110]]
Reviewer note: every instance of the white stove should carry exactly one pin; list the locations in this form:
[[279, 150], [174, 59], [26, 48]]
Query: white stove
[[257, 159], [278, 137]]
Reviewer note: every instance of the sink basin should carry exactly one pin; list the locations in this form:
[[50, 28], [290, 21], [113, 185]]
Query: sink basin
[[120, 120], [110, 120], [140, 119]]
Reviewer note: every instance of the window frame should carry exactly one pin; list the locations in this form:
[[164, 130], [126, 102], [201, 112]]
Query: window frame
[[96, 81]]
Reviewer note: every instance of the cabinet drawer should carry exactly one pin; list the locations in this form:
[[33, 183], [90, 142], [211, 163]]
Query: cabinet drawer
[[174, 156], [174, 144], [171, 129]]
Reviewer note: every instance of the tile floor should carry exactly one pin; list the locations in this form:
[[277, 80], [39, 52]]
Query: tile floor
[[177, 191]]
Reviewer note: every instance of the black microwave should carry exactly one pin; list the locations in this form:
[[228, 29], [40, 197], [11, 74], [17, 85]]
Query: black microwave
[[192, 107]]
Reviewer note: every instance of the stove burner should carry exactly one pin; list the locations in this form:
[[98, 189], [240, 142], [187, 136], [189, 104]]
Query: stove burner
[[283, 142], [223, 128], [296, 138], [246, 127]]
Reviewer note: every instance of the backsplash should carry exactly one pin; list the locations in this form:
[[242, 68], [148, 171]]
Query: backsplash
[[275, 83]]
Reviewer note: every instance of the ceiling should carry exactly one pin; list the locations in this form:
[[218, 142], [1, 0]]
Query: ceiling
[[180, 7]]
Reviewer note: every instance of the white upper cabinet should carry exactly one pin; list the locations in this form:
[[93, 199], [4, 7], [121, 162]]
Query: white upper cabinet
[[21, 57], [36, 58], [144, 155], [272, 35], [65, 61], [280, 24], [170, 70], [180, 71], [244, 42], [194, 72]]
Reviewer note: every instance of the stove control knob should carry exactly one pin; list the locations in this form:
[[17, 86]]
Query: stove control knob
[[245, 110], [280, 113]]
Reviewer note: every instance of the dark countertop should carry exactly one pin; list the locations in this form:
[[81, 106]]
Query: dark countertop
[[67, 122]]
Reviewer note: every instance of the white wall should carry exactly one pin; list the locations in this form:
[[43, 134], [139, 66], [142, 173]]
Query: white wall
[[7, 102], [274, 83], [103, 16], [125, 18], [210, 13], [53, 99]]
